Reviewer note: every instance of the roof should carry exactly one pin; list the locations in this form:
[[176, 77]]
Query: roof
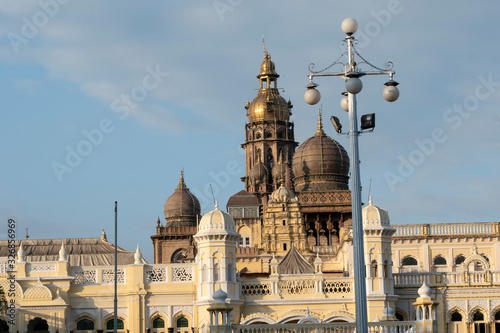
[[81, 251], [243, 198], [294, 263]]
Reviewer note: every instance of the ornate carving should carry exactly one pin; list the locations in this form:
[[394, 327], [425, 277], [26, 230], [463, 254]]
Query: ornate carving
[[182, 308], [108, 311], [160, 309], [157, 274], [108, 276], [252, 289], [85, 276], [38, 291], [42, 267], [182, 274]]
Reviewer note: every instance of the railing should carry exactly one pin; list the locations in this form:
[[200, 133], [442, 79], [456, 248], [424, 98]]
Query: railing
[[446, 278], [337, 327], [293, 287], [447, 229]]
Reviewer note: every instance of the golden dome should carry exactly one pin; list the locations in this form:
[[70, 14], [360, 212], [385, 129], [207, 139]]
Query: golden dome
[[267, 67], [320, 163], [268, 104]]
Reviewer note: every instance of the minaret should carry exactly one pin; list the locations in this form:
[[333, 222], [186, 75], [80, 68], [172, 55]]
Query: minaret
[[269, 138]]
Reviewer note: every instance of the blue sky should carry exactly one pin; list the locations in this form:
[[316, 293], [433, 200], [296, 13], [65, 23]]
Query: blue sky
[[68, 66]]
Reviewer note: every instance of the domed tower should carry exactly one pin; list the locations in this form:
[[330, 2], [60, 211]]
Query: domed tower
[[321, 169], [269, 138], [173, 243]]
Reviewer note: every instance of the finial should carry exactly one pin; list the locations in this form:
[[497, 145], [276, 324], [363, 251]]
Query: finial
[[27, 236], [158, 222], [63, 255], [264, 44], [370, 202], [103, 236], [216, 204], [181, 184], [137, 256], [320, 124]]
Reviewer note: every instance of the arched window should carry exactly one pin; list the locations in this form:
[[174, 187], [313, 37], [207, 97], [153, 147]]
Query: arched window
[[497, 315], [439, 260], [182, 322], [459, 259], [216, 272], [158, 323], [456, 316], [386, 269], [85, 324], [410, 261], [374, 268], [110, 325], [478, 316], [399, 316]]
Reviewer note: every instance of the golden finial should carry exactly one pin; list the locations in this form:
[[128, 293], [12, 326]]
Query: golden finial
[[320, 124], [181, 184]]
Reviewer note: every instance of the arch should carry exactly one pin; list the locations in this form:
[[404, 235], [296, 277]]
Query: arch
[[204, 274], [259, 320], [3, 325], [184, 317], [179, 256], [154, 317], [83, 317], [374, 269], [459, 259], [38, 325], [409, 261], [454, 312], [439, 260], [475, 258], [217, 275], [110, 324], [400, 315], [110, 317]]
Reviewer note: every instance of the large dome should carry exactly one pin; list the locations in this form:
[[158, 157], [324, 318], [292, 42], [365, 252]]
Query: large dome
[[320, 163], [182, 207]]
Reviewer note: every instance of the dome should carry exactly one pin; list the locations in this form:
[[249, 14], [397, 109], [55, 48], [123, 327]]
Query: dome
[[182, 207], [279, 170], [267, 67], [243, 198], [282, 195], [320, 163], [217, 221], [219, 296], [373, 215], [425, 291], [258, 174], [268, 105]]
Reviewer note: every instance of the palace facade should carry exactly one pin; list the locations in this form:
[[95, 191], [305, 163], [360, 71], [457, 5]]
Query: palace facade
[[281, 257]]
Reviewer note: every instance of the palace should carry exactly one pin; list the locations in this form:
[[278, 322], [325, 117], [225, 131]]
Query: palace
[[281, 257]]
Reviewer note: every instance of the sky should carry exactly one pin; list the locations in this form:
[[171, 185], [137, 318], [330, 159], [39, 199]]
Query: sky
[[106, 101]]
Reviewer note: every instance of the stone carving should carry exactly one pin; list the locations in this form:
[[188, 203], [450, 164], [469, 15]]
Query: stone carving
[[85, 276], [182, 308], [182, 274], [41, 267], [108, 276], [38, 291], [160, 309], [158, 274]]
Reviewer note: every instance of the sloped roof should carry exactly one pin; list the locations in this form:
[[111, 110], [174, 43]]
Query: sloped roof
[[81, 251], [294, 263], [243, 198]]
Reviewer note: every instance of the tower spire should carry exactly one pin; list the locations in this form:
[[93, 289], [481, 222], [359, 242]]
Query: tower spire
[[181, 181], [320, 124]]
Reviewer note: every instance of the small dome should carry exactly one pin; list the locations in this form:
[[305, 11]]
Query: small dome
[[182, 207], [320, 163], [282, 195], [219, 296], [243, 198], [279, 170], [217, 221], [258, 174], [267, 67], [425, 291], [373, 215]]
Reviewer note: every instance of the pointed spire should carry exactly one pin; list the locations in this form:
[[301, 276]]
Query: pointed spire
[[103, 236], [370, 202], [138, 256], [21, 254], [320, 124], [181, 185], [63, 255], [158, 224]]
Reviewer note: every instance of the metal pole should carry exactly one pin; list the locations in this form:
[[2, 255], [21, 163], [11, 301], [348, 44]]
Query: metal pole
[[357, 223], [115, 317]]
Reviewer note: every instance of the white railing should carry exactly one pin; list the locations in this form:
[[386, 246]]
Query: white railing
[[446, 278], [412, 279], [447, 229], [337, 327]]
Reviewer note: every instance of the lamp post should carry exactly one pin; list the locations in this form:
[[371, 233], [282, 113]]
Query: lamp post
[[351, 73]]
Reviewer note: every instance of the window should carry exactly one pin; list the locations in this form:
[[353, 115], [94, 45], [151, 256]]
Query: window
[[478, 316], [439, 261], [284, 222], [204, 273], [229, 271], [216, 273], [182, 322], [410, 261], [456, 316], [284, 246], [85, 324], [459, 259], [374, 268], [497, 315], [110, 325], [244, 241], [399, 316], [158, 323]]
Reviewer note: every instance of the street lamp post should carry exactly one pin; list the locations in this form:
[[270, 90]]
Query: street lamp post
[[351, 74]]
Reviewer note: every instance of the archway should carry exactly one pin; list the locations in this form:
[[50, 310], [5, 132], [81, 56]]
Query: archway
[[4, 328], [38, 325]]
